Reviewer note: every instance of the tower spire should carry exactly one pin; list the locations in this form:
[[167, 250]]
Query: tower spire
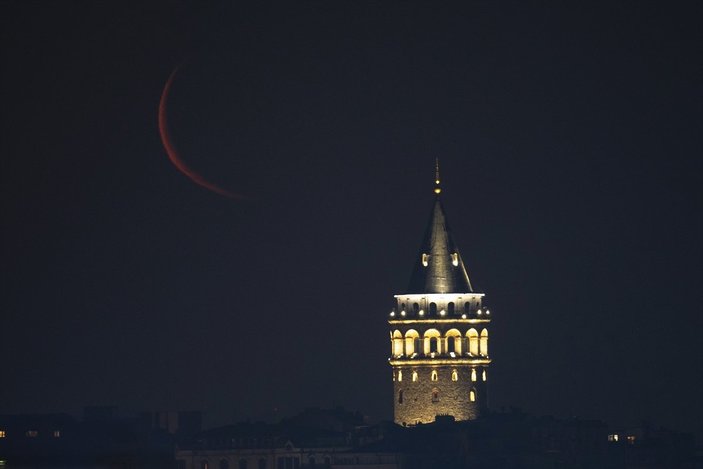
[[437, 187]]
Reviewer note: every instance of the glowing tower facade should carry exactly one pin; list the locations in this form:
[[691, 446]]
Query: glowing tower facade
[[439, 334]]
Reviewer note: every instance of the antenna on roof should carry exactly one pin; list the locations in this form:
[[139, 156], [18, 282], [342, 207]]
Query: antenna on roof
[[437, 188]]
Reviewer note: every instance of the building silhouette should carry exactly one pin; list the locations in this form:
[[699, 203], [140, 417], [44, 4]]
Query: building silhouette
[[439, 333]]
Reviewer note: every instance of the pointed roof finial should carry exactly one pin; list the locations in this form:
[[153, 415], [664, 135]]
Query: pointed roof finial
[[437, 188]]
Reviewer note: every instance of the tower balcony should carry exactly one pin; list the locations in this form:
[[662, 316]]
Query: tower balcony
[[439, 361]]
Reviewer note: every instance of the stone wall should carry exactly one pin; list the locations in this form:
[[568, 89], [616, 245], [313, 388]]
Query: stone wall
[[418, 405]]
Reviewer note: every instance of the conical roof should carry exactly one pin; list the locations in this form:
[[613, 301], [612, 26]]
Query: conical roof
[[439, 267]]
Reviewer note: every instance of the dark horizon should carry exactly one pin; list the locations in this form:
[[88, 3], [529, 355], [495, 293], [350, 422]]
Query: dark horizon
[[569, 141]]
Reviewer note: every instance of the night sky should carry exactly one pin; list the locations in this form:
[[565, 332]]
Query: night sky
[[570, 144]]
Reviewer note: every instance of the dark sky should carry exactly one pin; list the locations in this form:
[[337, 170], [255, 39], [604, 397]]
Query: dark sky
[[570, 145]]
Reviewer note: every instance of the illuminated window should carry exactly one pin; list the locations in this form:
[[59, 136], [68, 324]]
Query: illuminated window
[[431, 338], [397, 343], [425, 258], [484, 342], [32, 433], [435, 395], [455, 376], [631, 439], [613, 437], [473, 342], [453, 337], [484, 376], [57, 433], [472, 395], [414, 375], [412, 342], [400, 396], [3, 434], [433, 376], [455, 259], [400, 375], [433, 344], [224, 464], [473, 374]]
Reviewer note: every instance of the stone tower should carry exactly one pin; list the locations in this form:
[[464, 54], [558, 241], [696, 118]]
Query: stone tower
[[439, 334]]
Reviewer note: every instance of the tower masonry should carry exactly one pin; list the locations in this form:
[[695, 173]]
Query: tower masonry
[[439, 334]]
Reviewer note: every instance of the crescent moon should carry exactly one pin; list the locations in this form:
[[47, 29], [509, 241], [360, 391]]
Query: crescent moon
[[172, 152]]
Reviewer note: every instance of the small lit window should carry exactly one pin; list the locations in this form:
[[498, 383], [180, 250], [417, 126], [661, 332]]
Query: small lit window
[[435, 395], [631, 439], [414, 375], [455, 259], [473, 374], [433, 376], [455, 376], [484, 376], [425, 258], [57, 433], [613, 437], [472, 395], [3, 434], [400, 375], [32, 433]]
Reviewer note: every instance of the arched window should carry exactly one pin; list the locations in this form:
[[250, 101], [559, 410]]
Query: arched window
[[397, 343], [453, 338], [402, 306], [435, 395], [472, 395], [484, 342], [484, 376], [433, 308], [416, 308], [431, 341], [412, 342], [400, 396], [455, 375], [224, 464], [433, 375], [400, 375], [473, 341], [473, 374], [467, 307], [450, 308], [415, 376]]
